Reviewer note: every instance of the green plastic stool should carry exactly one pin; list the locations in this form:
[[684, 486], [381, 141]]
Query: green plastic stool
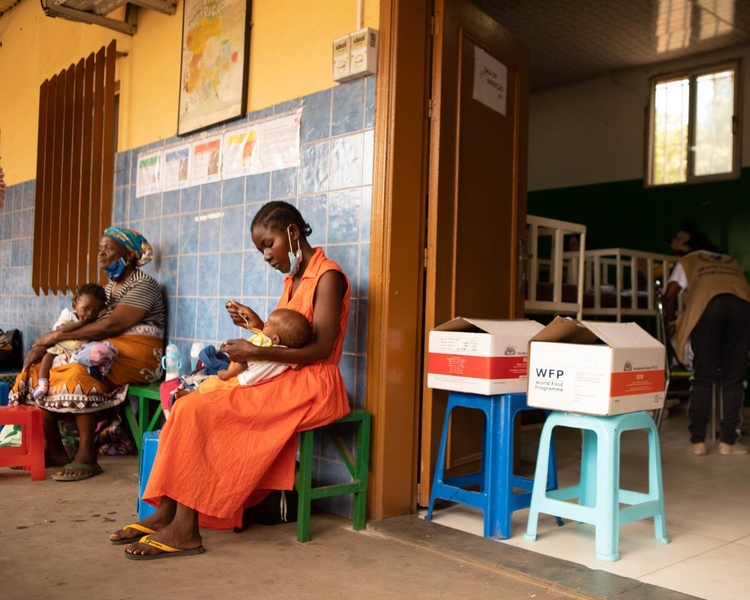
[[148, 416], [358, 487]]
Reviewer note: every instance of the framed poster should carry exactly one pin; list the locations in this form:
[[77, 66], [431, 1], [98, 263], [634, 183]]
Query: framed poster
[[213, 76]]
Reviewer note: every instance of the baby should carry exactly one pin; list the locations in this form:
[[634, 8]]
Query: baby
[[284, 327], [89, 303]]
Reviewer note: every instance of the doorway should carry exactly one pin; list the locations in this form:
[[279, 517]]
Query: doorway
[[449, 208]]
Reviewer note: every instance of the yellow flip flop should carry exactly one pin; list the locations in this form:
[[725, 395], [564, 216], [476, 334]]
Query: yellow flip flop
[[132, 540], [166, 551]]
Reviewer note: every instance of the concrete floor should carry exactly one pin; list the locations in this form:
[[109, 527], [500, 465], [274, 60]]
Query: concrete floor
[[53, 544]]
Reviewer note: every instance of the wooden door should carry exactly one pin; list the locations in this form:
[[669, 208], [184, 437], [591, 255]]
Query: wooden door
[[477, 197]]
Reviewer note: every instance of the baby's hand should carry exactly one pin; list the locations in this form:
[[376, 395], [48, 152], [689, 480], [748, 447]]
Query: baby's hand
[[223, 374]]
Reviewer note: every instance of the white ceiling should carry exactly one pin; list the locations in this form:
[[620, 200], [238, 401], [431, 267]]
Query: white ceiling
[[573, 40]]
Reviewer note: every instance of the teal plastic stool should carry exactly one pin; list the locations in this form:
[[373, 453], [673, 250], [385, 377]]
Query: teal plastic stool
[[598, 491]]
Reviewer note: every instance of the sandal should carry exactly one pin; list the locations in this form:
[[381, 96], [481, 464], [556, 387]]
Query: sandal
[[89, 471], [132, 540]]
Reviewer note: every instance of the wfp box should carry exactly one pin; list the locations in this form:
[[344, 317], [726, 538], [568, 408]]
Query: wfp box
[[480, 356], [595, 368]]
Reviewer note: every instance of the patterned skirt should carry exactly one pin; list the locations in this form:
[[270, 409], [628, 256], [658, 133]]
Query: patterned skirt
[[73, 390]]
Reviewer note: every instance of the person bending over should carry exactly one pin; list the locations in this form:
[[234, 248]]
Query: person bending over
[[713, 331]]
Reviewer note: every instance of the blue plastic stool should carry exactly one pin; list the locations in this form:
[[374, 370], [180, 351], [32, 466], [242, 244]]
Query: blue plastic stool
[[496, 478], [599, 490], [148, 454], [4, 391]]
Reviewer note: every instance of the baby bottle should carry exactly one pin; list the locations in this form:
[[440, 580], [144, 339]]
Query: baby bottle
[[171, 362]]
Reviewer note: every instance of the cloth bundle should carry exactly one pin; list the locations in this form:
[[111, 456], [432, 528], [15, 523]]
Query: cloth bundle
[[97, 356]]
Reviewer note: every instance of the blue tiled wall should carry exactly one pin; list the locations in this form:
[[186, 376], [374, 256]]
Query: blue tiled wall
[[204, 263]]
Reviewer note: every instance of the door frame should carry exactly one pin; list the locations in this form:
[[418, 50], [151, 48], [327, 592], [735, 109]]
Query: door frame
[[397, 243]]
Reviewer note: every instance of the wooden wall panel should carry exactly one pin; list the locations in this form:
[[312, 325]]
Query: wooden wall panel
[[75, 190], [108, 150], [66, 181], [54, 210], [96, 173], [75, 172], [38, 201], [41, 213], [86, 167]]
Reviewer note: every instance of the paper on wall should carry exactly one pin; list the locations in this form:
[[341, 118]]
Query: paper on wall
[[490, 81]]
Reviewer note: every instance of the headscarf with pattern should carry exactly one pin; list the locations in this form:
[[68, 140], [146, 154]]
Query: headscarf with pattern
[[132, 240]]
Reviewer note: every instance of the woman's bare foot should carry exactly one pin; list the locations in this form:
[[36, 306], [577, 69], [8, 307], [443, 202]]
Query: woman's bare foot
[[173, 536], [155, 522], [81, 458]]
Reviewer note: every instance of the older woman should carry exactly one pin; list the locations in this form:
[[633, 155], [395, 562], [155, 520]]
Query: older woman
[[134, 323]]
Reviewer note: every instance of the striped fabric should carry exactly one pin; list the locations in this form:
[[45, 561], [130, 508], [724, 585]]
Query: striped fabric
[[142, 291]]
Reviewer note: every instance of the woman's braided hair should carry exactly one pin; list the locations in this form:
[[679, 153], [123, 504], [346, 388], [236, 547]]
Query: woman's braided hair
[[279, 215]]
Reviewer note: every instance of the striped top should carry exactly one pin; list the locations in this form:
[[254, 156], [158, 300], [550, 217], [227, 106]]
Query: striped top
[[142, 291]]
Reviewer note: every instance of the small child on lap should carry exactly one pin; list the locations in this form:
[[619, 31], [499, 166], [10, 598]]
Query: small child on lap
[[284, 327], [89, 302]]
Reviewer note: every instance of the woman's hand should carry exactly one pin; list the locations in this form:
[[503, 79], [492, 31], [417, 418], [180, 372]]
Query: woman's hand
[[33, 356], [243, 316], [48, 339], [240, 351]]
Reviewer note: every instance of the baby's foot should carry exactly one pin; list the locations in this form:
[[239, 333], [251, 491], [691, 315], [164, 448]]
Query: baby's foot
[[41, 389]]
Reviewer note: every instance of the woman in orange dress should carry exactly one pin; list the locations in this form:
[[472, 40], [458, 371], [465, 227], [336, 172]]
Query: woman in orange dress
[[223, 451]]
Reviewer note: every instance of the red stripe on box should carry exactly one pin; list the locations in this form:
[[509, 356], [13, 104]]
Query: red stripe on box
[[480, 367], [631, 383]]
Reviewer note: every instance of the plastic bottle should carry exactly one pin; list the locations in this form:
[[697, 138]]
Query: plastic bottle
[[171, 361], [195, 351]]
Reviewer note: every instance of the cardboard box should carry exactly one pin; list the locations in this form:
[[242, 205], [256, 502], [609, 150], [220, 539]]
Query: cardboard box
[[595, 368], [480, 356]]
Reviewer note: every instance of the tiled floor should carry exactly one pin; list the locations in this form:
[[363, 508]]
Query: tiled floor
[[707, 509]]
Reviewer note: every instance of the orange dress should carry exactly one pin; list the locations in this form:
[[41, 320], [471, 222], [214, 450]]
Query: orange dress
[[223, 451]]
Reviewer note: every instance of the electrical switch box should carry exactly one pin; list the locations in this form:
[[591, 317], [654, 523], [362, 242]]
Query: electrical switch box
[[355, 55], [341, 58]]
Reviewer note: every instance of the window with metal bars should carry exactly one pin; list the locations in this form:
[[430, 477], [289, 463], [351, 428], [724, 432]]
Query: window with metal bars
[[75, 171], [694, 132]]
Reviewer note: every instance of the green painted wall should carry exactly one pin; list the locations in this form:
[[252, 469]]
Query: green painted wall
[[626, 214]]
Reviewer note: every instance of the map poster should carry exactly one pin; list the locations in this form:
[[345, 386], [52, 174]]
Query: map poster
[[174, 168], [205, 161], [148, 174], [213, 75]]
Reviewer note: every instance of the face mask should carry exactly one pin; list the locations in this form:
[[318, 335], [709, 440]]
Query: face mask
[[295, 259], [115, 270]]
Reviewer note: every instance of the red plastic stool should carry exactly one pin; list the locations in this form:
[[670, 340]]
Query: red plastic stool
[[30, 454]]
